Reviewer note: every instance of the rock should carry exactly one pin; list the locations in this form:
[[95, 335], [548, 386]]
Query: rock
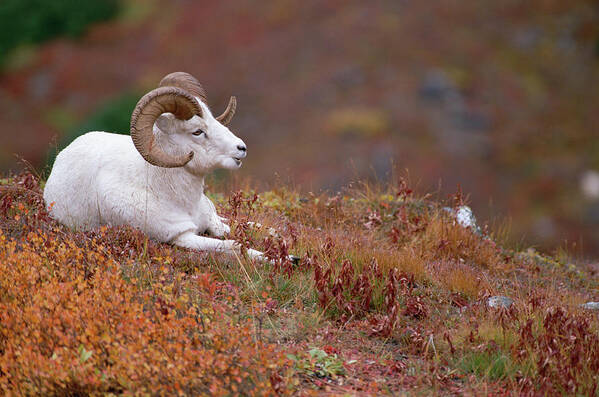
[[437, 86], [465, 216], [499, 302], [590, 305], [589, 184]]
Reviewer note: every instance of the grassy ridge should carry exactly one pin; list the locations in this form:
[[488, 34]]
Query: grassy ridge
[[390, 296]]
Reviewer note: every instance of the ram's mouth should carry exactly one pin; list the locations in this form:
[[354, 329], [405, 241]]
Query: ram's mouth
[[237, 161]]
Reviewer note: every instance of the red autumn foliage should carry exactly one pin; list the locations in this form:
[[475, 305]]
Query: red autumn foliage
[[565, 349]]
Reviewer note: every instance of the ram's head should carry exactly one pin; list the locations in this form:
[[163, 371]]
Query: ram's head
[[189, 135]]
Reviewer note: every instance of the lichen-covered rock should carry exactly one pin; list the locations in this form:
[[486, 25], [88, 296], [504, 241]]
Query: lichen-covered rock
[[464, 217], [498, 302], [590, 305]]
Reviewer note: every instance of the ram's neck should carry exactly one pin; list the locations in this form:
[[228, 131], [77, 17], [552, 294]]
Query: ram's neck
[[176, 184]]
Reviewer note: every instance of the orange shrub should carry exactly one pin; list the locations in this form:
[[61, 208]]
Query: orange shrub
[[70, 323]]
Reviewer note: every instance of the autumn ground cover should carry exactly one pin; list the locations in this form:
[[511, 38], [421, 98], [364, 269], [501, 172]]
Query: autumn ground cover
[[389, 297]]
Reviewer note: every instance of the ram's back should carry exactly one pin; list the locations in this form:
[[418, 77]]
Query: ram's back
[[84, 173]]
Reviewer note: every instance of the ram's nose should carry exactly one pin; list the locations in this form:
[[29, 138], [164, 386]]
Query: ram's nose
[[243, 150]]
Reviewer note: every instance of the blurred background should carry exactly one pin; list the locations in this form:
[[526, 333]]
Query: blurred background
[[498, 97]]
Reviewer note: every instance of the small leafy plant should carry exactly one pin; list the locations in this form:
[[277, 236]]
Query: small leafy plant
[[318, 363]]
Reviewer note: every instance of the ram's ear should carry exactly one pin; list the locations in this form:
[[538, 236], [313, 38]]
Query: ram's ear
[[166, 122]]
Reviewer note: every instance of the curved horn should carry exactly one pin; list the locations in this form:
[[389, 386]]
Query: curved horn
[[227, 115], [150, 106], [186, 82]]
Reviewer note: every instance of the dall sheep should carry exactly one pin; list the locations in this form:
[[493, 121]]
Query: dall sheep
[[153, 180]]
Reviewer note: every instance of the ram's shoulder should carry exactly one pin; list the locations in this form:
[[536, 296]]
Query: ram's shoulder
[[99, 145], [101, 137]]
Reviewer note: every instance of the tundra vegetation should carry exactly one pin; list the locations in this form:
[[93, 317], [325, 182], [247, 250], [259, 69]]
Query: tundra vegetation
[[389, 297]]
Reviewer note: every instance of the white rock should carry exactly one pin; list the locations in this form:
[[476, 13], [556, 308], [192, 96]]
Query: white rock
[[589, 184], [465, 216], [590, 305], [500, 302]]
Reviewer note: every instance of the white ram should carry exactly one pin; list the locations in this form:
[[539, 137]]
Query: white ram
[[153, 180]]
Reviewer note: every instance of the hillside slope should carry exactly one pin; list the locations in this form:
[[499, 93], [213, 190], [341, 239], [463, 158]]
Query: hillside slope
[[391, 295], [495, 96]]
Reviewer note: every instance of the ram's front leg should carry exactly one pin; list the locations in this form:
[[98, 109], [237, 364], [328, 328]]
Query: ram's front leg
[[270, 230], [200, 243], [273, 233], [216, 225], [218, 228]]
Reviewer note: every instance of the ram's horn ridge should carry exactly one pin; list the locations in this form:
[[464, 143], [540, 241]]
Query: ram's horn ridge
[[227, 115], [190, 84], [186, 82], [149, 108]]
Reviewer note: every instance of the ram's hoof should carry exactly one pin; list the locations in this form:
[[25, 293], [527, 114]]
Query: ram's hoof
[[294, 259]]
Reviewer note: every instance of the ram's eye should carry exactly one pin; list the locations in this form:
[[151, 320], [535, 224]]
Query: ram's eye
[[198, 132]]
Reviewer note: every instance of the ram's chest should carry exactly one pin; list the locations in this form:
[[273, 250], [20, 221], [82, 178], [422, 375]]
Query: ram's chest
[[203, 215]]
